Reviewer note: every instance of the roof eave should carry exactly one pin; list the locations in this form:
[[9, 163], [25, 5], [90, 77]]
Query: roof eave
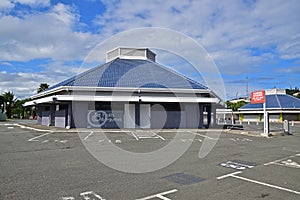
[[121, 89]]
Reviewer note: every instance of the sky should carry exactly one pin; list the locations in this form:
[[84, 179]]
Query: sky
[[46, 41]]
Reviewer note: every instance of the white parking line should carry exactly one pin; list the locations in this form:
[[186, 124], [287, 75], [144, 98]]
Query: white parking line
[[228, 175], [159, 136], [91, 133], [134, 135], [91, 193], [34, 139], [68, 198], [146, 135], [159, 195], [30, 128], [276, 161], [257, 182], [288, 165], [205, 136]]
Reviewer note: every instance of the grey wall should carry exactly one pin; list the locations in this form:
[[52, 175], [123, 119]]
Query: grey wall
[[192, 115], [80, 112], [46, 118], [129, 116], [60, 118]]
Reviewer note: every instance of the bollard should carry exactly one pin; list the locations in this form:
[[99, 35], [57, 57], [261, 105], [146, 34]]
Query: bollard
[[256, 123], [293, 123], [286, 127], [248, 122]]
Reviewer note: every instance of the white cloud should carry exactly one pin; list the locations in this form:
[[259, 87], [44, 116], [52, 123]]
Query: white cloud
[[44, 35], [32, 2], [25, 84], [225, 28], [6, 5], [6, 64]]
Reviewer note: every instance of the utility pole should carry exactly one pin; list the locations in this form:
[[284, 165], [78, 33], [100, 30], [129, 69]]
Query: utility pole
[[247, 92]]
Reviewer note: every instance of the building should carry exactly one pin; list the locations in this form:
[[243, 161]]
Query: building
[[245, 99], [130, 90], [279, 105]]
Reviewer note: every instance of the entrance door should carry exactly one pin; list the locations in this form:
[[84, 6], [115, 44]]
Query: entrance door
[[129, 116], [145, 115]]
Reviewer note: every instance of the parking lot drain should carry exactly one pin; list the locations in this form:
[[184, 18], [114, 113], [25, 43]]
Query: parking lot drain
[[183, 179]]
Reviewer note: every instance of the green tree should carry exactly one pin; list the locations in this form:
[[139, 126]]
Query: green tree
[[20, 111], [235, 106], [1, 103], [42, 87], [9, 102]]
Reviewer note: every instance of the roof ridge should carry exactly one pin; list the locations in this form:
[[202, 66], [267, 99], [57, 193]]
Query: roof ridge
[[276, 95], [179, 74], [73, 78], [92, 70]]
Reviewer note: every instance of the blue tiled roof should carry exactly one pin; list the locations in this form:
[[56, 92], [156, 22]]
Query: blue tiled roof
[[129, 73], [275, 101]]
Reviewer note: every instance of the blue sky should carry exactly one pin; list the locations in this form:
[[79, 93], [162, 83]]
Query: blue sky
[[47, 40]]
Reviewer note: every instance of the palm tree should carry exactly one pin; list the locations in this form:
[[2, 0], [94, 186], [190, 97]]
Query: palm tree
[[42, 87], [9, 101]]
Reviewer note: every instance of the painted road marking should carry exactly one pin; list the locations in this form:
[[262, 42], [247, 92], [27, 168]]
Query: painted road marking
[[86, 195], [10, 127], [30, 128], [234, 175], [34, 139], [146, 135], [191, 140], [118, 141], [160, 136], [89, 195], [91, 133], [228, 175], [239, 165], [159, 195], [243, 140], [290, 163], [205, 136], [285, 162], [68, 198], [134, 135]]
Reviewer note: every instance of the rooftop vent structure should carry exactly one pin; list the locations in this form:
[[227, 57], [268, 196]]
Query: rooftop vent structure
[[275, 91], [130, 53]]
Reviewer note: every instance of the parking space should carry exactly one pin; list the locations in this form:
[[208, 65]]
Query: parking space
[[56, 165], [275, 177]]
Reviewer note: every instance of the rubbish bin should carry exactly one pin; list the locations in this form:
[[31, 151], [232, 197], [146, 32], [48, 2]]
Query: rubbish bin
[[286, 127]]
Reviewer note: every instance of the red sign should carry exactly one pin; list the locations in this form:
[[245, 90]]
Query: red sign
[[258, 97]]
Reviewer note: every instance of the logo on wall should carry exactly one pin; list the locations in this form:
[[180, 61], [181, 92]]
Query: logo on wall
[[97, 118]]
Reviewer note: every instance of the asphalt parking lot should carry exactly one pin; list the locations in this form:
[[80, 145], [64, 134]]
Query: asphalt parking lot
[[58, 165]]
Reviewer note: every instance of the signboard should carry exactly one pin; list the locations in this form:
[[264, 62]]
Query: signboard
[[258, 97]]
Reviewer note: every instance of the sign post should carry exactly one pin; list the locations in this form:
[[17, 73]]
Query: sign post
[[260, 97]]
